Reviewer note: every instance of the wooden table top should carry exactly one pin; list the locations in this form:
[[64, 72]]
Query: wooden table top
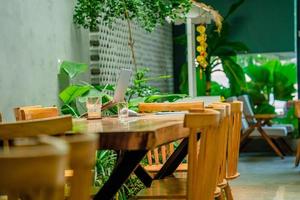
[[136, 133]]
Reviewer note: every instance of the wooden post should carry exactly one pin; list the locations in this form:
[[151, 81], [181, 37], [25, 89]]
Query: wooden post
[[190, 30]]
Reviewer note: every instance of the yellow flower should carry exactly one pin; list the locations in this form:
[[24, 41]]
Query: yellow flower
[[201, 48], [204, 45], [200, 59], [201, 29], [203, 54], [201, 38], [204, 64]]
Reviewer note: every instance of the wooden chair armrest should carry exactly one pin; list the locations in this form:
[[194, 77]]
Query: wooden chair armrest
[[265, 116]]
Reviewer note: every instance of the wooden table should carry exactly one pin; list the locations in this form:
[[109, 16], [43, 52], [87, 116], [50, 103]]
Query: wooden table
[[134, 138]]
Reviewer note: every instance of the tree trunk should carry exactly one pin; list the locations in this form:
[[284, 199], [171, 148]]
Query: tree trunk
[[130, 41]]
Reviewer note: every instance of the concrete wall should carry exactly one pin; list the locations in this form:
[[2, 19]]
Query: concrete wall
[[34, 34]]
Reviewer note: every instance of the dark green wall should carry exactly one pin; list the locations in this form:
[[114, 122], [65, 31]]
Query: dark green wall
[[264, 25]]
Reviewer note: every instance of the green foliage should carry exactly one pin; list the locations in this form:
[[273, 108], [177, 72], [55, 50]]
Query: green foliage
[[222, 50], [71, 93], [272, 77], [142, 91], [72, 69], [219, 90], [141, 87], [183, 80], [235, 75], [164, 98], [89, 13]]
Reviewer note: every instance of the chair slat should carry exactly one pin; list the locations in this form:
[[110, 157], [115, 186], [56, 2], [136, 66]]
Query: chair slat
[[234, 139], [149, 158], [17, 111], [176, 106], [164, 153], [156, 156], [39, 113]]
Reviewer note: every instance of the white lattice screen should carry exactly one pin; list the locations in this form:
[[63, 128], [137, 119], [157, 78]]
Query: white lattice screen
[[110, 52]]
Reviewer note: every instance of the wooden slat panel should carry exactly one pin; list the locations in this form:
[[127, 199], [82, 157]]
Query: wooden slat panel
[[156, 156], [38, 113], [49, 126], [149, 157], [17, 111], [163, 153], [234, 139], [176, 106]]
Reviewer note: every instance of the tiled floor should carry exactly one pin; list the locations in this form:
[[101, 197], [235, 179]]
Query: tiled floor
[[267, 178]]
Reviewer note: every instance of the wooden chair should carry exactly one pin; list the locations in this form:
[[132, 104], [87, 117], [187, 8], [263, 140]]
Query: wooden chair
[[34, 171], [297, 114], [82, 148], [38, 113], [234, 140], [159, 156], [17, 111], [225, 112], [82, 160], [203, 157], [260, 125]]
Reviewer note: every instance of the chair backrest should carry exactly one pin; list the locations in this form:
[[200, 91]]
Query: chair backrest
[[38, 113], [82, 160], [234, 139], [166, 150], [225, 111], [17, 111], [0, 117], [207, 100], [203, 158], [32, 128], [34, 172], [82, 148], [248, 114], [175, 106], [297, 108]]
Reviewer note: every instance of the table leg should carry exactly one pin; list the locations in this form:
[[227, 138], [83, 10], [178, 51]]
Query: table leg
[[174, 160], [143, 175], [127, 162]]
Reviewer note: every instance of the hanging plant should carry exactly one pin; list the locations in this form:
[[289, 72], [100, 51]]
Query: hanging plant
[[201, 49]]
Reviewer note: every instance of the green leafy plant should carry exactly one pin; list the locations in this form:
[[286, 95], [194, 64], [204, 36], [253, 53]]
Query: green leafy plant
[[220, 50], [74, 96], [274, 78], [148, 14]]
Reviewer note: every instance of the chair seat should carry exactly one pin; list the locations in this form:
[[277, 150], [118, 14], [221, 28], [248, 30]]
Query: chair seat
[[155, 168], [168, 188], [277, 131], [290, 128]]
